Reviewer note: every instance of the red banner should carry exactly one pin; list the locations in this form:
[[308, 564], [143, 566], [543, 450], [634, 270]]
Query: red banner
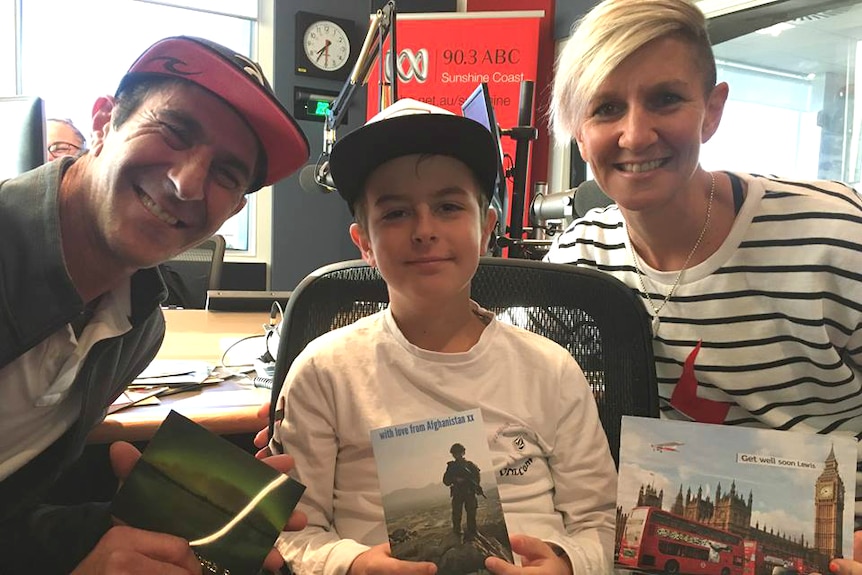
[[442, 59]]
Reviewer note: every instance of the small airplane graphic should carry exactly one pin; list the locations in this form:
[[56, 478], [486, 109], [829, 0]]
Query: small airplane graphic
[[666, 446]]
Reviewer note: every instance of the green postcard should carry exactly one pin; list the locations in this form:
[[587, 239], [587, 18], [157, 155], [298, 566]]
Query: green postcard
[[192, 483]]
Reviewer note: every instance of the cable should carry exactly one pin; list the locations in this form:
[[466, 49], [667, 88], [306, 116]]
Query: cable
[[274, 312], [234, 344], [275, 304]]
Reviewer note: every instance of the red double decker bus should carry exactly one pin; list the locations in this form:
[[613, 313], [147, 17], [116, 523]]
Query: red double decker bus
[[661, 542], [761, 560]]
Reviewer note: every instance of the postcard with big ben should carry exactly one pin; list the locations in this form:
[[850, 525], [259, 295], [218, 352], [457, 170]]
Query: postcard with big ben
[[702, 499], [439, 492]]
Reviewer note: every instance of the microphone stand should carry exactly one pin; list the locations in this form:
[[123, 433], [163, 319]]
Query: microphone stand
[[382, 26], [523, 134]]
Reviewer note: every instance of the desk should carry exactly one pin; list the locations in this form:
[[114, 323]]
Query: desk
[[224, 408]]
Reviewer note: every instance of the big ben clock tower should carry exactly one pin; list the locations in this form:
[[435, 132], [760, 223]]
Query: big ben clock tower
[[829, 509]]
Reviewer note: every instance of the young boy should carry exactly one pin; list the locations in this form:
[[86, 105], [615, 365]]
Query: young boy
[[418, 180]]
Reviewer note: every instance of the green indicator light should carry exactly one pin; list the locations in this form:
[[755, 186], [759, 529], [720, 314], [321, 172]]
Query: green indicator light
[[321, 107]]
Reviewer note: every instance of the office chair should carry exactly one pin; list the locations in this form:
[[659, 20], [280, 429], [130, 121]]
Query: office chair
[[190, 274], [23, 146], [596, 317]]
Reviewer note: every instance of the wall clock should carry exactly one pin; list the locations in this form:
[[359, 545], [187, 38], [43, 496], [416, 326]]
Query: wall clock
[[325, 46]]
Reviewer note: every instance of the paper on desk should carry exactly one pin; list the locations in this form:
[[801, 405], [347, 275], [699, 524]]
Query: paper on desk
[[173, 372], [130, 397]]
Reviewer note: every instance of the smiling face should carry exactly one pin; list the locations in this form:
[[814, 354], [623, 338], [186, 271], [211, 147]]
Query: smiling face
[[169, 175], [423, 227], [644, 127]]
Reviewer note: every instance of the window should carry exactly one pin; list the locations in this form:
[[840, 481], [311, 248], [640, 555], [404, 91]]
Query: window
[[73, 52], [792, 109]]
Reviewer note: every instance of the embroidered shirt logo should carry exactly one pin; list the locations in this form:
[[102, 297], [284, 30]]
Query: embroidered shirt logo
[[517, 470]]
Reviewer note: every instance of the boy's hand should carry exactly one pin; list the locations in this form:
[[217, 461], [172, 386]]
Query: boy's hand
[[379, 561], [536, 557], [261, 440], [123, 458]]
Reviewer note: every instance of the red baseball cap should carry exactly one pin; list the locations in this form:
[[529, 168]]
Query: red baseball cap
[[240, 83]]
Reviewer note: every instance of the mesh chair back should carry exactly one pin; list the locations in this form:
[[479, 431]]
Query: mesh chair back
[[596, 317], [190, 274], [23, 146]]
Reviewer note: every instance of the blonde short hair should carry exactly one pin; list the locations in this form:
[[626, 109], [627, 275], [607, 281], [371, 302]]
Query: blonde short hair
[[607, 35]]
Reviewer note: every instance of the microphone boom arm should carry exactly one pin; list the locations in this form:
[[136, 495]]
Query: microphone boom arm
[[382, 25]]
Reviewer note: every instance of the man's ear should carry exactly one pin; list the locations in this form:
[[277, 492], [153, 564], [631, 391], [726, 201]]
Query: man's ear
[[240, 205], [360, 240], [101, 122]]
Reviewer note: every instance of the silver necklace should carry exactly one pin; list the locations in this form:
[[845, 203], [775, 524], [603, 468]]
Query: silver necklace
[[656, 321]]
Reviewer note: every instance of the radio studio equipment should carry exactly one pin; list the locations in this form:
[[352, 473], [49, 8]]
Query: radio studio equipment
[[316, 177], [554, 212]]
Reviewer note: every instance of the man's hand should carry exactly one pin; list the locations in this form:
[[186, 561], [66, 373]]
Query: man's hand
[[123, 459], [379, 561], [135, 551], [536, 557]]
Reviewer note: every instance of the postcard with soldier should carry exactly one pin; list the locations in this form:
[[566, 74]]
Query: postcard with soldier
[[439, 492], [724, 500]]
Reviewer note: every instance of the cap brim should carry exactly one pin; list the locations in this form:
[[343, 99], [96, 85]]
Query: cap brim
[[237, 82], [360, 152]]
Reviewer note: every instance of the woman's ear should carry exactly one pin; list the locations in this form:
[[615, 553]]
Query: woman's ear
[[360, 240], [714, 110]]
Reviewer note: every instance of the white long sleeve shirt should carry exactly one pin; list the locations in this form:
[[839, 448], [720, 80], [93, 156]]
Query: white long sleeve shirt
[[556, 478]]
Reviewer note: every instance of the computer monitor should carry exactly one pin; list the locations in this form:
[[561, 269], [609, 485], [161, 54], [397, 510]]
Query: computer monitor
[[478, 107], [22, 146]]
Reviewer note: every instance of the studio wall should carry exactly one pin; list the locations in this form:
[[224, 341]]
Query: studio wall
[[309, 228]]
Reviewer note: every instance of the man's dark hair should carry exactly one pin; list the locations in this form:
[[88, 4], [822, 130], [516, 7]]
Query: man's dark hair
[[457, 448]]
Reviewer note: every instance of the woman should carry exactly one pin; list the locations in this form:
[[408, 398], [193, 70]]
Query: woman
[[753, 283]]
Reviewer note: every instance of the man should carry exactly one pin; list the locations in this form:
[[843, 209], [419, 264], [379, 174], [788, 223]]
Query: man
[[192, 129], [63, 139], [462, 478]]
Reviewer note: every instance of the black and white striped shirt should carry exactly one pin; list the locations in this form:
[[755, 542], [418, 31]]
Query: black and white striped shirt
[[778, 307]]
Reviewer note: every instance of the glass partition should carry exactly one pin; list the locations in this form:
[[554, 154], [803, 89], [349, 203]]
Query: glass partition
[[792, 110]]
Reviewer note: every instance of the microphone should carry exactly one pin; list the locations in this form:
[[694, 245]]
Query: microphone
[[316, 178], [554, 206], [588, 196]]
